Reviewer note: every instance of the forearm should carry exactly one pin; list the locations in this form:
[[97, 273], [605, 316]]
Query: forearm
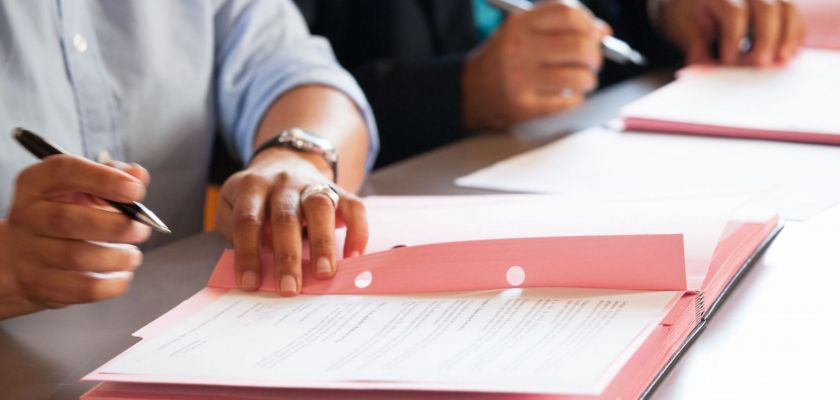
[[329, 114], [11, 302]]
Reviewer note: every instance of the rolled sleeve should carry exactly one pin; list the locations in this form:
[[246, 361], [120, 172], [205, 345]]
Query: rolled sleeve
[[263, 51]]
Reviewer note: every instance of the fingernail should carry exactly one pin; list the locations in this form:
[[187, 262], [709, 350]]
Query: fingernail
[[354, 254], [324, 267], [288, 285], [249, 280]]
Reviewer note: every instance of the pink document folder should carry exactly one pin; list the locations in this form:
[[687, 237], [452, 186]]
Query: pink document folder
[[647, 249], [821, 18], [793, 103]]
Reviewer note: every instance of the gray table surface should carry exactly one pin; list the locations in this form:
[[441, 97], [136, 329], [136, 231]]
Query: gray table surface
[[743, 352]]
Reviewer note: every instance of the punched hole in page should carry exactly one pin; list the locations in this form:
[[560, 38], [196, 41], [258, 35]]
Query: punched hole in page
[[363, 280]]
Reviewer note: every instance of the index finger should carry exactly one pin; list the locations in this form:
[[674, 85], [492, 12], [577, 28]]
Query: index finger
[[70, 173]]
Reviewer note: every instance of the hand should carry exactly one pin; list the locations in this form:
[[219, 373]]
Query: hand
[[267, 197], [776, 26], [538, 62], [48, 251]]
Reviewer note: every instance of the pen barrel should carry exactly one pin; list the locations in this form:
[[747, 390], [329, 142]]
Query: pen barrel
[[38, 146]]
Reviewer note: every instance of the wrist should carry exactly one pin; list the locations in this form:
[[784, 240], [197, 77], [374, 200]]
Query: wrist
[[290, 159], [472, 91], [306, 143]]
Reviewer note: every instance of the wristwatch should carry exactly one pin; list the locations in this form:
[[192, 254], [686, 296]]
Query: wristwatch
[[307, 142]]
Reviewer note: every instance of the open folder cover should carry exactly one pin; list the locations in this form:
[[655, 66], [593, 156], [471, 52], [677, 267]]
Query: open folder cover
[[497, 296]]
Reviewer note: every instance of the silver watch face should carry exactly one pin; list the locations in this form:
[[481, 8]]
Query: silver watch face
[[305, 141]]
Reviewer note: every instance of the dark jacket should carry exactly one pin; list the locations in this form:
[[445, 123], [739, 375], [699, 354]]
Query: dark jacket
[[408, 56]]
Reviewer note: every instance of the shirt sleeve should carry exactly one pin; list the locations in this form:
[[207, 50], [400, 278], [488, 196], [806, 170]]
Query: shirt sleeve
[[262, 50]]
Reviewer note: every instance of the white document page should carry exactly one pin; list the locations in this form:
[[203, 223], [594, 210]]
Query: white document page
[[550, 340], [798, 180], [801, 97]]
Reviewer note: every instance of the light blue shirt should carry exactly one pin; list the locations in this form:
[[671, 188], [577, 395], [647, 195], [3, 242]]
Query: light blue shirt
[[151, 81]]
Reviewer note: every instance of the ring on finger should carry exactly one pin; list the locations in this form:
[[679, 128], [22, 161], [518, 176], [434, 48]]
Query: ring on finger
[[320, 188]]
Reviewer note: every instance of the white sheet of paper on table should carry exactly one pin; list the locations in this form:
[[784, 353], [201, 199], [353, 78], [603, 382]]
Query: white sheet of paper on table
[[550, 340], [801, 97], [799, 180]]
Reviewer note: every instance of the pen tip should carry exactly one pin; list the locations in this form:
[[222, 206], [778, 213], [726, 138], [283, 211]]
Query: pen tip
[[639, 59], [18, 132], [149, 218]]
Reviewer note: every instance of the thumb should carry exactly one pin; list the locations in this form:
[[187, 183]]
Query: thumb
[[603, 28]]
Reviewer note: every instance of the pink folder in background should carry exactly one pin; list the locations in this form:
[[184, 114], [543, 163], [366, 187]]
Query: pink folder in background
[[650, 245], [793, 103], [821, 18]]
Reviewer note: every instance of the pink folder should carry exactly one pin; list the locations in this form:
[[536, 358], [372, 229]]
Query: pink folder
[[649, 260], [821, 18], [788, 103]]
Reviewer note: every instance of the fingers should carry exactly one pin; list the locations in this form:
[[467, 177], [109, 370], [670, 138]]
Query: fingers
[[248, 215], [540, 104], [732, 18], [602, 28], [55, 287], [698, 52], [766, 26], [287, 239], [83, 256], [352, 212], [775, 27], [319, 212], [793, 31], [567, 50], [74, 221], [75, 174], [556, 80]]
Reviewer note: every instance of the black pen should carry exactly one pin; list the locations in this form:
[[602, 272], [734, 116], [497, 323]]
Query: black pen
[[42, 148], [614, 49]]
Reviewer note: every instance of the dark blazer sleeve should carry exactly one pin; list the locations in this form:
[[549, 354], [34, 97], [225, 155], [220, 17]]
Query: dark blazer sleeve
[[630, 22], [417, 105], [408, 57]]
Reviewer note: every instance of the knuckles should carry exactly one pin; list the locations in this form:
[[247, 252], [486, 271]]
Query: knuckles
[[60, 220], [322, 244], [285, 215], [318, 202], [248, 220], [287, 260]]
